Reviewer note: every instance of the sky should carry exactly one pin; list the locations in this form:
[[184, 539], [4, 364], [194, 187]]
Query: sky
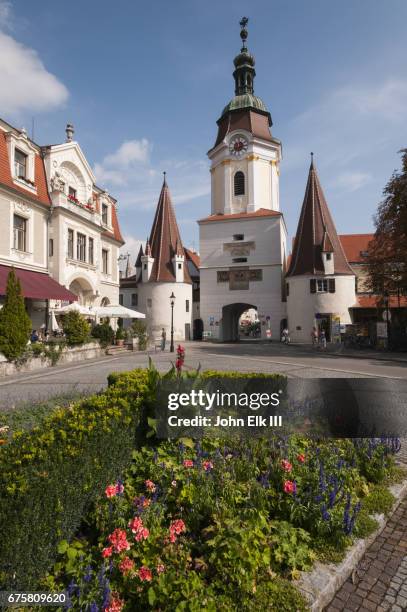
[[144, 83]]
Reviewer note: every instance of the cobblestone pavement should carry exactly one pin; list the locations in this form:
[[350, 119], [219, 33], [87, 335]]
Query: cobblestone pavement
[[380, 581]]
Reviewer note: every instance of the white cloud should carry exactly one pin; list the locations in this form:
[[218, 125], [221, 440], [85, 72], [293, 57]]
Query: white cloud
[[136, 179], [132, 246], [117, 168], [5, 15], [25, 82], [387, 99], [352, 181]]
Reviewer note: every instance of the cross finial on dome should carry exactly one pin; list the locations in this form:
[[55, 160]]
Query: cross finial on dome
[[243, 32]]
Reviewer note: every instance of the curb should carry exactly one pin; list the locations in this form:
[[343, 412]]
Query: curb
[[320, 586]]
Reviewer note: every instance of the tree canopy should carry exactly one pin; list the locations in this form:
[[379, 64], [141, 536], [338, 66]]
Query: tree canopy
[[387, 255], [15, 324]]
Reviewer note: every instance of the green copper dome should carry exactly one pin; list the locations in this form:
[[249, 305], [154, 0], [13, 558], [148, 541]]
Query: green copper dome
[[245, 101]]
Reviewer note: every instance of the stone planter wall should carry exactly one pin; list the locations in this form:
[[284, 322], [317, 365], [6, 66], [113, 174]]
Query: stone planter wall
[[91, 350]]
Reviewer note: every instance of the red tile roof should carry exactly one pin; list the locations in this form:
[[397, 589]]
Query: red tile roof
[[314, 223], [194, 257], [255, 122], [116, 234], [354, 245], [261, 212], [164, 238], [374, 301], [40, 180]]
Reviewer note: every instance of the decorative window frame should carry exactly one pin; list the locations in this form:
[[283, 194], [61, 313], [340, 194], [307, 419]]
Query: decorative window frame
[[22, 210], [22, 143], [104, 201]]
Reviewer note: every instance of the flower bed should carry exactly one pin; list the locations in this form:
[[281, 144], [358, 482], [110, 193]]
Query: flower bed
[[50, 475], [210, 525]]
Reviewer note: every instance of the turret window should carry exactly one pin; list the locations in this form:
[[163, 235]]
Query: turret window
[[323, 285], [239, 183]]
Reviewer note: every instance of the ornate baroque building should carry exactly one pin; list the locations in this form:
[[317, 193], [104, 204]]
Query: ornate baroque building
[[59, 230]]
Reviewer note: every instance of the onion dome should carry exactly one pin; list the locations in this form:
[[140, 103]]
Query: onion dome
[[244, 75]]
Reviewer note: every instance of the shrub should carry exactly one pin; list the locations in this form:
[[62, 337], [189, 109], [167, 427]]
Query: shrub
[[15, 324], [139, 331], [49, 477], [120, 335], [104, 333], [76, 328], [379, 500]]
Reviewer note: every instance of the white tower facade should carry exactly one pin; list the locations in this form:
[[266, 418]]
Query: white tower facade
[[162, 271], [320, 284], [243, 241]]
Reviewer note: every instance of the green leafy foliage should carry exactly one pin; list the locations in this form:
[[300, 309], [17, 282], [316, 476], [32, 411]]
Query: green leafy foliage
[[76, 328], [139, 330], [15, 324], [104, 332], [216, 524], [50, 475]]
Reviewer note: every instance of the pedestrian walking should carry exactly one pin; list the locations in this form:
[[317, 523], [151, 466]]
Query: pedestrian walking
[[322, 339], [285, 337], [314, 336], [163, 339]]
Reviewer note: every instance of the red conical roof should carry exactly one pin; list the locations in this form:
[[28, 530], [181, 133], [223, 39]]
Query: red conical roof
[[316, 233], [165, 240]]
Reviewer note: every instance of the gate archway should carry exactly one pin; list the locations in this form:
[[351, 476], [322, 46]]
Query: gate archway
[[230, 320]]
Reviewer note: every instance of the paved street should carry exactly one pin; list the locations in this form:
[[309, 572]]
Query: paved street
[[380, 582], [293, 361]]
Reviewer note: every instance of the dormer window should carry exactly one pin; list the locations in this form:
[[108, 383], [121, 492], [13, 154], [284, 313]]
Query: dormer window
[[20, 164], [72, 192], [328, 256], [105, 212]]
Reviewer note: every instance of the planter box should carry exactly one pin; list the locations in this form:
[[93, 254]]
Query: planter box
[[91, 350]]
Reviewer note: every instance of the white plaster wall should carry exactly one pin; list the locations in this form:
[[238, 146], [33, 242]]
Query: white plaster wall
[[65, 270], [264, 295], [36, 244], [260, 166], [158, 315], [5, 226], [269, 236], [302, 306]]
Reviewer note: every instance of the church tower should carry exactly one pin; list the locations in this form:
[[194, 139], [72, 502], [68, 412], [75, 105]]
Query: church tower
[[243, 241], [245, 159]]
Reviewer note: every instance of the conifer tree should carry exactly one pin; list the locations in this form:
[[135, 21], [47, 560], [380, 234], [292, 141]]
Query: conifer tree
[[15, 324]]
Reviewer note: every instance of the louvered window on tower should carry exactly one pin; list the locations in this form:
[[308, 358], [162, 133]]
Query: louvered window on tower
[[239, 183]]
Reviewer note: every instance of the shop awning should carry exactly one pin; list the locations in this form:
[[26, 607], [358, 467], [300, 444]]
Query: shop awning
[[36, 285]]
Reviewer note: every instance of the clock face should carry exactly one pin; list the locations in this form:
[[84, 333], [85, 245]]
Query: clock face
[[238, 146]]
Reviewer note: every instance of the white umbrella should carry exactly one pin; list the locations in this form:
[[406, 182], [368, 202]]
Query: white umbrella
[[117, 312], [75, 307], [53, 322]]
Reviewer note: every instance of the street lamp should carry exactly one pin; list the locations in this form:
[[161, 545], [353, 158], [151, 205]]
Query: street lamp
[[172, 302], [386, 303]]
